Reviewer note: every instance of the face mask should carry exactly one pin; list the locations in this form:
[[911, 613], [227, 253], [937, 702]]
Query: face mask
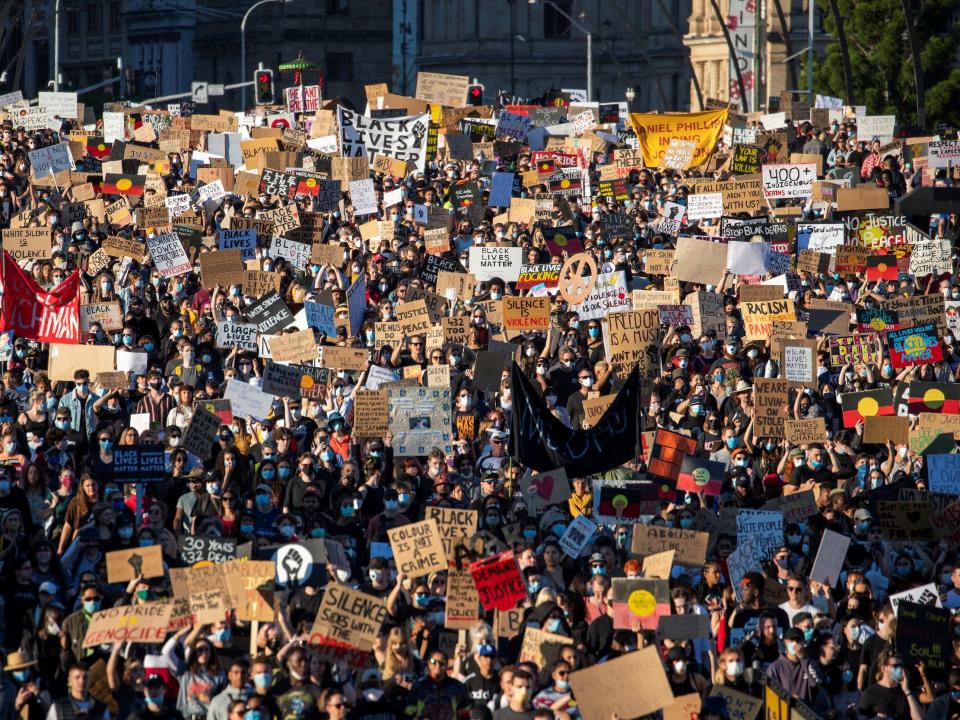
[[567, 364], [808, 634], [903, 570], [686, 523], [21, 675], [521, 695], [343, 575], [404, 499], [493, 520], [679, 667], [553, 625], [53, 628], [732, 349], [4, 486], [896, 674], [347, 511], [563, 685], [62, 424], [598, 570], [752, 354], [816, 464], [732, 442], [287, 530], [741, 462], [735, 668], [125, 533], [586, 382], [855, 633], [847, 676], [262, 680], [246, 529], [791, 648], [91, 606], [465, 403]]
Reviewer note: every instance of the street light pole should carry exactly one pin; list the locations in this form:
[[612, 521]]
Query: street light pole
[[56, 46], [586, 32], [243, 47]]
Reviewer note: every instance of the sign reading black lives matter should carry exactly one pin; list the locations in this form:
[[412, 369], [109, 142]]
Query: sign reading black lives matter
[[139, 463], [403, 138]]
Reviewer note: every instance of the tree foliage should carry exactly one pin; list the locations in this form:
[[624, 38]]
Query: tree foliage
[[880, 59]]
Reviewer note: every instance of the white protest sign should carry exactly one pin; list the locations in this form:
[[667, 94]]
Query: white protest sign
[[821, 237], [880, 127], [583, 122], [922, 595], [830, 558], [609, 295], [51, 159], [168, 255], [577, 535], [234, 334], [114, 127], [931, 256], [177, 205], [500, 262], [61, 104], [403, 138], [296, 253], [704, 206], [942, 153], [747, 258], [363, 197], [791, 180], [246, 399]]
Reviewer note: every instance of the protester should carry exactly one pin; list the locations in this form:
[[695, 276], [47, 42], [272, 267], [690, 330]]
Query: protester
[[301, 397]]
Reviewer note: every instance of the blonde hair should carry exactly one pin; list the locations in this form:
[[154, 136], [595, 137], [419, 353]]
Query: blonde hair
[[391, 664]]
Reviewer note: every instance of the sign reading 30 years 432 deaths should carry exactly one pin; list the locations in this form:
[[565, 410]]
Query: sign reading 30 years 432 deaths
[[791, 180]]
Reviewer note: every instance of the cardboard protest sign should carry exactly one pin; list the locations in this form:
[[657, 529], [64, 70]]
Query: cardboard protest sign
[[224, 267], [455, 525], [124, 565], [462, 609], [879, 429], [402, 138], [759, 532], [525, 314], [802, 432], [295, 347], [498, 581], [108, 314], [531, 650], [700, 261], [629, 337], [609, 295], [350, 616], [740, 705], [25, 244], [209, 606], [854, 349], [770, 407], [543, 489], [418, 548], [689, 546], [906, 520], [370, 413], [145, 623]]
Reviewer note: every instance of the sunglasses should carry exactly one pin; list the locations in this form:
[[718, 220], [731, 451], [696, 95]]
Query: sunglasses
[[435, 662]]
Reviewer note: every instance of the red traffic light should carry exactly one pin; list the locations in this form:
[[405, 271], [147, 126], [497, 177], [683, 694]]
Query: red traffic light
[[263, 78], [475, 92]]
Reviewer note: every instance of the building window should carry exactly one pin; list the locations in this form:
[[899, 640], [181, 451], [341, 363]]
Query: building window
[[94, 17], [555, 25], [339, 66], [338, 7], [73, 21], [115, 17]]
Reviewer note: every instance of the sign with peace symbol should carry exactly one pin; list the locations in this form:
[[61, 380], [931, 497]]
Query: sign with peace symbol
[[574, 285]]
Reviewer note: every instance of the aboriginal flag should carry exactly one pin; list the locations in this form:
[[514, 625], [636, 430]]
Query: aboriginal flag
[[928, 397], [629, 502], [882, 267], [123, 184], [566, 185], [547, 166], [97, 148], [562, 240], [698, 476], [869, 403], [308, 186], [666, 457]]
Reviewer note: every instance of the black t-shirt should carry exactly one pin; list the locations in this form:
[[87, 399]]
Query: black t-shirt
[[804, 473], [508, 714], [890, 702], [482, 690]]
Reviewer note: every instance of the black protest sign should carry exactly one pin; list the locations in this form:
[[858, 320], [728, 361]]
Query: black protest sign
[[269, 313], [923, 634], [203, 428], [139, 463], [194, 548], [273, 182], [437, 263]]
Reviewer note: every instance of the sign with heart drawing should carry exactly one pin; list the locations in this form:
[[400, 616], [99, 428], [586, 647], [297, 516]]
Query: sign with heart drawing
[[543, 489]]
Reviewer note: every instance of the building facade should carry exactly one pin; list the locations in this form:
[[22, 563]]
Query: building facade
[[351, 39], [761, 46], [528, 48]]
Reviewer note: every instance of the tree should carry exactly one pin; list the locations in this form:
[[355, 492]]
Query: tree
[[881, 65]]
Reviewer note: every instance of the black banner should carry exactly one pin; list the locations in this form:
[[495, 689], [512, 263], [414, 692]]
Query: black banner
[[540, 441]]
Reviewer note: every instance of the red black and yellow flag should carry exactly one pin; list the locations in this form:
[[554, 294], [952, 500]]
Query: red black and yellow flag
[[547, 166], [868, 403], [882, 267], [97, 148], [928, 397], [698, 476], [114, 184]]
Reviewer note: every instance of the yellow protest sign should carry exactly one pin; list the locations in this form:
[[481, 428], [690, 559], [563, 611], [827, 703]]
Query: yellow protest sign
[[655, 131]]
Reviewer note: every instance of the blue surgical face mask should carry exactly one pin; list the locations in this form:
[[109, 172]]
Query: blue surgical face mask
[[347, 511], [221, 635], [62, 424], [553, 625], [686, 523], [559, 529], [533, 587], [268, 474], [283, 472], [896, 674], [847, 677], [808, 634], [594, 332], [816, 464], [598, 570], [529, 534], [91, 606], [246, 529], [732, 442], [21, 675], [106, 445], [262, 680]]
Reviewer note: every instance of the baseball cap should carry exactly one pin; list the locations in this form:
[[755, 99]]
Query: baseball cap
[[48, 587], [487, 650]]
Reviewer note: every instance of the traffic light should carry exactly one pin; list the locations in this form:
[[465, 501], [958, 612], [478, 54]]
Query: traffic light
[[475, 94], [263, 79]]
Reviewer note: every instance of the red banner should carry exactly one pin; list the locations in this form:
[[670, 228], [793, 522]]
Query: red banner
[[32, 312]]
